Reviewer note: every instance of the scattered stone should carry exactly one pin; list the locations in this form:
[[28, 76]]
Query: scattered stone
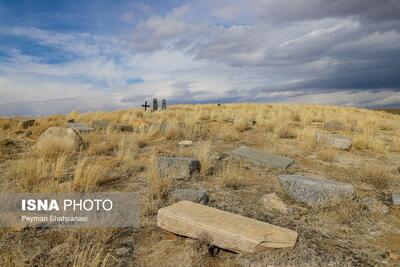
[[374, 205], [194, 195], [26, 123], [62, 133], [396, 199], [262, 157], [121, 252], [99, 125], [274, 203], [178, 168], [80, 127], [122, 127], [224, 229], [185, 143], [315, 191], [335, 141]]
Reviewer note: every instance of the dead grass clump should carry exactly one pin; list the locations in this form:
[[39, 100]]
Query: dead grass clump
[[128, 148], [204, 153], [203, 248], [29, 173], [328, 155], [54, 147], [367, 140], [335, 125], [174, 130], [285, 132], [102, 143], [377, 175], [88, 175], [342, 212], [242, 123], [5, 123], [231, 176]]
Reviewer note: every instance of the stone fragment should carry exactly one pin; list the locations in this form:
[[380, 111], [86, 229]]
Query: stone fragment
[[178, 168], [262, 157], [274, 203], [99, 124], [26, 123], [185, 143], [224, 229], [194, 195], [335, 141], [64, 134], [80, 127], [315, 191], [396, 199]]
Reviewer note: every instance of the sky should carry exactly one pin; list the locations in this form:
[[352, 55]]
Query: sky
[[57, 56]]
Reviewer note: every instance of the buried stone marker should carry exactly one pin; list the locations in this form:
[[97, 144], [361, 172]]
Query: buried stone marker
[[315, 191], [396, 199], [335, 141], [80, 127], [226, 230], [178, 168], [194, 195], [262, 157]]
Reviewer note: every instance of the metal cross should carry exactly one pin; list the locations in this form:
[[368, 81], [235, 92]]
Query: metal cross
[[145, 105]]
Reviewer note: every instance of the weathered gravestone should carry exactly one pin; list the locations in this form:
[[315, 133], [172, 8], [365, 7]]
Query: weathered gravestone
[[261, 157], [225, 230], [80, 127], [194, 195], [61, 134], [155, 104], [396, 199], [164, 104], [177, 168], [315, 191], [335, 141]]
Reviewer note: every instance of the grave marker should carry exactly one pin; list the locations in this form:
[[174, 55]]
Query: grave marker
[[164, 104], [145, 105], [262, 157], [155, 104]]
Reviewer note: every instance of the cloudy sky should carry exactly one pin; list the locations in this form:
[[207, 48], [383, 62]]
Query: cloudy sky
[[57, 56]]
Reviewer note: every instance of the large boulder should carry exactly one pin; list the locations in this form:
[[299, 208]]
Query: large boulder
[[194, 195], [315, 191], [335, 141], [67, 134], [178, 168]]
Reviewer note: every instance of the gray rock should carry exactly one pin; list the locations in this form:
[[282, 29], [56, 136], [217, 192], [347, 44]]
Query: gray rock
[[335, 141], [99, 124], [314, 191], [261, 157], [374, 205], [26, 123], [194, 195], [396, 199], [80, 127], [62, 133], [178, 168]]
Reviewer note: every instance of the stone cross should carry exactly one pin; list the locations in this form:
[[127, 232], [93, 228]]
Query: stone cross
[[164, 104], [145, 105], [155, 104]]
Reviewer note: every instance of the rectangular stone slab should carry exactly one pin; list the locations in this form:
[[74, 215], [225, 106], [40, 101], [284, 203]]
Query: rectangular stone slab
[[225, 230], [262, 157], [80, 127], [396, 199]]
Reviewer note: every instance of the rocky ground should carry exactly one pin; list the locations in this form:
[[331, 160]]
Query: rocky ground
[[117, 151]]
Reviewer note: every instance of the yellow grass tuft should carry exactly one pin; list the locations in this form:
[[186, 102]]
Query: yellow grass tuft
[[377, 175], [327, 155], [88, 175], [231, 175], [53, 147]]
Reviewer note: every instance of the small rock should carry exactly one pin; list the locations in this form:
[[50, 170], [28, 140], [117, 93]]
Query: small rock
[[178, 168], [121, 252], [80, 127], [194, 195], [274, 203], [315, 191], [335, 141], [374, 205], [26, 123], [396, 199], [62, 133], [185, 143]]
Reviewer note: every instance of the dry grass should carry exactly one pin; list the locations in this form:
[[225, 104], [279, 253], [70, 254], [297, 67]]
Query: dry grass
[[231, 175], [285, 132], [88, 174], [242, 123], [54, 147], [342, 212], [207, 157], [377, 175], [29, 173], [327, 155]]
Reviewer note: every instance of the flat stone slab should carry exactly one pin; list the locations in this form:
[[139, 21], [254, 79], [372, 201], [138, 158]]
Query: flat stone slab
[[335, 141], [310, 190], [262, 157], [396, 199], [224, 229], [80, 127], [99, 124], [194, 195], [178, 168]]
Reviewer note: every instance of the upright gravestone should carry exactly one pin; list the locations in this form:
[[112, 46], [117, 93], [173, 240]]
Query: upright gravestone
[[164, 104], [155, 104]]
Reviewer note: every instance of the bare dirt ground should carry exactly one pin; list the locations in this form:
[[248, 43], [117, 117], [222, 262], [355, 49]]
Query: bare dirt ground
[[342, 234]]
